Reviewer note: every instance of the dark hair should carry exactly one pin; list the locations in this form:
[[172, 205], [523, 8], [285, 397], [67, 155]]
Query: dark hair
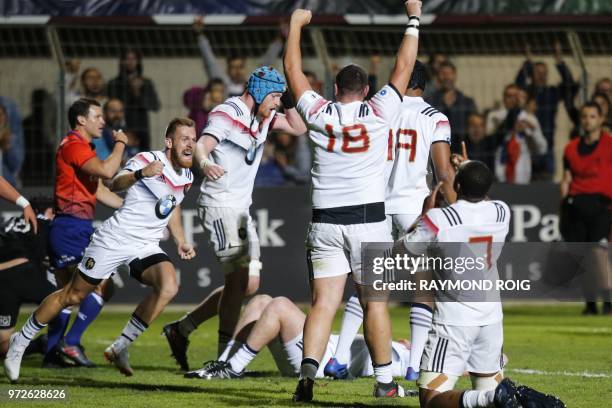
[[419, 76], [594, 105], [602, 95], [449, 65], [234, 57], [351, 79], [41, 203], [213, 82], [175, 123], [105, 108], [473, 180], [123, 56], [87, 71], [80, 108]]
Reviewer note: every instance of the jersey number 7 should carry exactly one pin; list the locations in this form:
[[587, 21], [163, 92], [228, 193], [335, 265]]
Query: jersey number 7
[[488, 240], [355, 138]]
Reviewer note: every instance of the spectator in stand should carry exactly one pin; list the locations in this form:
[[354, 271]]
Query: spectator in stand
[[480, 146], [12, 157], [604, 85], [603, 101], [533, 77], [235, 78], [453, 103], [114, 118], [201, 100], [510, 100], [39, 139], [137, 94], [433, 67], [293, 155], [586, 192]]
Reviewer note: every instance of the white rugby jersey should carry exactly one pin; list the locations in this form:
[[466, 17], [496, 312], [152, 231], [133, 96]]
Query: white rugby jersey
[[416, 128], [360, 364], [350, 146], [485, 222], [148, 203], [238, 134]]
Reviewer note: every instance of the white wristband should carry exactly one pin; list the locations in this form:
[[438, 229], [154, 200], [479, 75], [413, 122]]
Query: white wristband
[[412, 31], [204, 163], [22, 202]]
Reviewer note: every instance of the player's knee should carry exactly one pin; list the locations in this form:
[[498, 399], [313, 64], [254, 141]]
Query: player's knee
[[72, 297], [325, 305], [278, 305], [168, 289], [260, 302], [480, 383], [252, 285]]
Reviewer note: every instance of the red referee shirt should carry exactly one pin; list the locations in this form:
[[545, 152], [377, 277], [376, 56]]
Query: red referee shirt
[[591, 169], [75, 190]]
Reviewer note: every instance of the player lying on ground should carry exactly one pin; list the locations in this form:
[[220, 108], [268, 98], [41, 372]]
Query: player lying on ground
[[350, 136], [229, 153], [23, 269], [419, 133], [156, 183], [468, 335], [278, 323]]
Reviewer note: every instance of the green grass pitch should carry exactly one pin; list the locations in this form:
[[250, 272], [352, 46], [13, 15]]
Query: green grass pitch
[[551, 348]]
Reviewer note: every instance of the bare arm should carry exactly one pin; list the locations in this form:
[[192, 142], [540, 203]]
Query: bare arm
[[9, 193], [290, 122], [107, 197], [565, 183], [407, 53], [126, 179], [205, 145], [108, 167], [292, 60], [175, 225], [445, 173]]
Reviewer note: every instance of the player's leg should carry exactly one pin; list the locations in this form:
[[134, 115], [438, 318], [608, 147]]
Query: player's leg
[[78, 288], [352, 319], [56, 331]]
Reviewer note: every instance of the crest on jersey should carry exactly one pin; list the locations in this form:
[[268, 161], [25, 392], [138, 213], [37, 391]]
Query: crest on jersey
[[249, 158], [90, 263], [164, 206]]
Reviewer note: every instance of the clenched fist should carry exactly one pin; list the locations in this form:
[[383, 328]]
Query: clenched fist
[[300, 17], [119, 136], [152, 169], [413, 8]]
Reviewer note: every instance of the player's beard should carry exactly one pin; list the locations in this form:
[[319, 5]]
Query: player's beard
[[183, 161]]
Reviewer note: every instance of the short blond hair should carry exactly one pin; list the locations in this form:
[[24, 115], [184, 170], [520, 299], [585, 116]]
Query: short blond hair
[[175, 123]]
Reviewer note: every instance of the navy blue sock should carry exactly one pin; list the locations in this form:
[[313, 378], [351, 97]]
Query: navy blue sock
[[56, 329], [88, 311]]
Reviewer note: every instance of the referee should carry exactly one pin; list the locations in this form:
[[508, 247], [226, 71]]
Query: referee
[[586, 192]]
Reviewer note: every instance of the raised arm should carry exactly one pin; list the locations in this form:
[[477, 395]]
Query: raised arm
[[108, 167], [292, 60], [290, 122], [407, 53], [208, 56], [445, 173]]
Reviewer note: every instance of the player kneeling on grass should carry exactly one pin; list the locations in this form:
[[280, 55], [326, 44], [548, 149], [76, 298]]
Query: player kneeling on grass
[[468, 335], [278, 323], [156, 183]]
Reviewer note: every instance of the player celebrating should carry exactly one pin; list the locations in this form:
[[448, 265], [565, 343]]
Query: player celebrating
[[467, 335], [350, 140], [278, 323], [78, 186], [156, 183], [419, 133], [234, 138]]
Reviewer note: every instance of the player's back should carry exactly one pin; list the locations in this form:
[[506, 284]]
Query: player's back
[[350, 146], [483, 226], [416, 128]]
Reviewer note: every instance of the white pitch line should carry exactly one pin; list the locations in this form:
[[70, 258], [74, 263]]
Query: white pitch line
[[559, 373]]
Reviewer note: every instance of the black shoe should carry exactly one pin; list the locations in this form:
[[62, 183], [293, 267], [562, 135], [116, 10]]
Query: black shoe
[[224, 370], [75, 354], [37, 346], [605, 310], [590, 309], [530, 398], [203, 373], [178, 344], [391, 390], [303, 392], [505, 395], [54, 359]]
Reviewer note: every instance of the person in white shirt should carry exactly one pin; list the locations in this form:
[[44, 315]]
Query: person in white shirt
[[278, 323], [156, 183], [466, 335], [350, 138], [229, 153], [420, 135]]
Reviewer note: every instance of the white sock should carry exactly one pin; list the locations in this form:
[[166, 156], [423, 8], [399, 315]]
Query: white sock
[[242, 358], [186, 325], [351, 322], [28, 331], [134, 328], [382, 372], [230, 349], [309, 368], [478, 399], [420, 323]]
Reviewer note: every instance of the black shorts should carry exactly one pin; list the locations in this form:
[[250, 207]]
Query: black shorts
[[23, 283], [585, 218]]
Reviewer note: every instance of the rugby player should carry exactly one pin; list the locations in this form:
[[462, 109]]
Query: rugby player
[[156, 183]]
